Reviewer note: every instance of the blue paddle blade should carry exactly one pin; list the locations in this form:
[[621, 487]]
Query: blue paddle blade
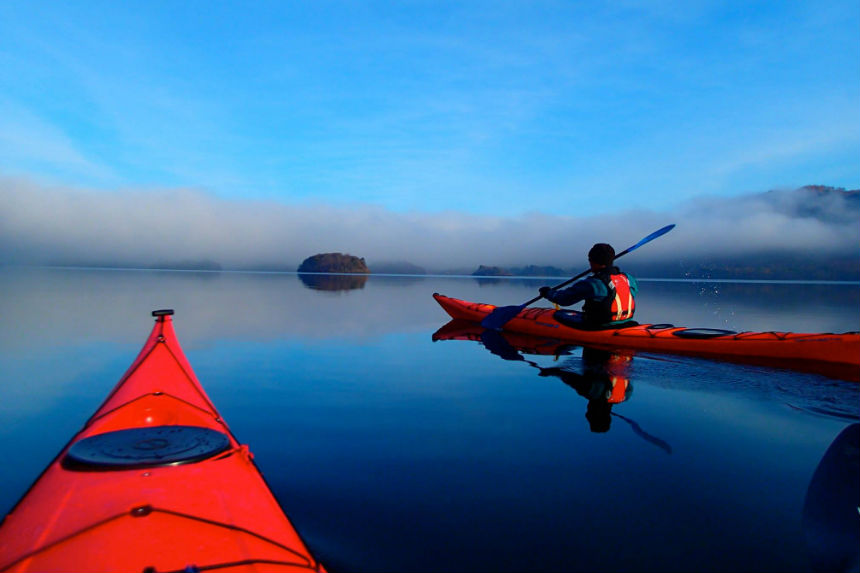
[[495, 342], [501, 316], [649, 238]]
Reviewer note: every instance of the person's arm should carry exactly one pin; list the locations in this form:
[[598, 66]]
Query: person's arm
[[581, 290]]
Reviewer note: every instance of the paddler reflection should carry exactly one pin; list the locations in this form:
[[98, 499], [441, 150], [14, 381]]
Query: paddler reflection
[[603, 380], [601, 377]]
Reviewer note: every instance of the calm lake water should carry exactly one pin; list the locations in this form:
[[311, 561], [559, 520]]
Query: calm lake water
[[392, 452]]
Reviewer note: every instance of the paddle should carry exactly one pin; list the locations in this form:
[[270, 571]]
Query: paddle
[[637, 429], [503, 314]]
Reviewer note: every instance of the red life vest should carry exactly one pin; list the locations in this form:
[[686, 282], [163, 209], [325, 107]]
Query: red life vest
[[617, 306], [623, 304]]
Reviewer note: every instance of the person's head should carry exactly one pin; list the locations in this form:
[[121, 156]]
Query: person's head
[[601, 255], [599, 416]]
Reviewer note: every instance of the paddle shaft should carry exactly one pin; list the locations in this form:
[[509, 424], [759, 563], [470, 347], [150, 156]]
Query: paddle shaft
[[565, 283], [647, 239]]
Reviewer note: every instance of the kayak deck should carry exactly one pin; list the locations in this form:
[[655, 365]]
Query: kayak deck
[[830, 354], [155, 481]]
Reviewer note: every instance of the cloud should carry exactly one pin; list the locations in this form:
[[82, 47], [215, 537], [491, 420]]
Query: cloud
[[42, 224]]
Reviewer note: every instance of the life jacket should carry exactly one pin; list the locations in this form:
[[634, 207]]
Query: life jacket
[[618, 391], [617, 306], [617, 367]]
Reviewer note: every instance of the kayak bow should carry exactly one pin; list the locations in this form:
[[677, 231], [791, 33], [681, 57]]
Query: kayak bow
[[155, 481], [830, 354]]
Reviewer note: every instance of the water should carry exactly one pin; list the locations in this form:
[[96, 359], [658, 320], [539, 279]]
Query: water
[[392, 452]]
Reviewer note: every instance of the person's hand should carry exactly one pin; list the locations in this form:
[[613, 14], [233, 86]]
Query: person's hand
[[544, 291]]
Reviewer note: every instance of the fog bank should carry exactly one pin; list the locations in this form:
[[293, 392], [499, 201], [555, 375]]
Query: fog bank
[[43, 224]]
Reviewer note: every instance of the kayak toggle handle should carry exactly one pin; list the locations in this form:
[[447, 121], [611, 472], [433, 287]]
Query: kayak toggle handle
[[163, 312], [141, 511]]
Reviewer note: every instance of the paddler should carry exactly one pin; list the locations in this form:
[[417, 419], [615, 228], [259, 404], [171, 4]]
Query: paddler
[[609, 294]]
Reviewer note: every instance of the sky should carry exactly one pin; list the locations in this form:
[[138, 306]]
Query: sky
[[420, 131]]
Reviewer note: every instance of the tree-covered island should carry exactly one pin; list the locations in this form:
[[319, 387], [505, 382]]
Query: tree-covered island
[[333, 263]]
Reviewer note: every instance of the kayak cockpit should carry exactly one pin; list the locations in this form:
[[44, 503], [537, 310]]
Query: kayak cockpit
[[147, 447]]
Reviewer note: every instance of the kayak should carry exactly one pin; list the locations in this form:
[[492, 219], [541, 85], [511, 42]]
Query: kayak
[[829, 354], [154, 481]]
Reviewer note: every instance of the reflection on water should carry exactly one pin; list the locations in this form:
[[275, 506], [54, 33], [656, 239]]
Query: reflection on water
[[54, 306], [333, 282], [602, 378], [50, 307], [392, 453], [595, 370]]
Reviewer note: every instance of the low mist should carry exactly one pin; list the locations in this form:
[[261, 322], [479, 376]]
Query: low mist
[[42, 224]]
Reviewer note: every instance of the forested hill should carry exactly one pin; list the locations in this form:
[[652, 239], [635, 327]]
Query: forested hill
[[832, 207], [826, 207]]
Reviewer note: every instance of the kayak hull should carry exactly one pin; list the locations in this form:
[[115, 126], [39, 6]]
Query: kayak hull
[[830, 354], [154, 481]]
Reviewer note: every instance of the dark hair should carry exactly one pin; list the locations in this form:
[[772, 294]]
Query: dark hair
[[602, 254]]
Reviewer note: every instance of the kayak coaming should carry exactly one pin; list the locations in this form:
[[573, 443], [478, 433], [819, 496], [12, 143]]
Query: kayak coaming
[[153, 518], [829, 353]]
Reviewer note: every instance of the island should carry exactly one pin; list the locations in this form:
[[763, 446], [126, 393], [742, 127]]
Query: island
[[333, 263], [488, 271]]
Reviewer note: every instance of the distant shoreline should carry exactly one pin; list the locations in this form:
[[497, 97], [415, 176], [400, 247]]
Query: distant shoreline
[[548, 279]]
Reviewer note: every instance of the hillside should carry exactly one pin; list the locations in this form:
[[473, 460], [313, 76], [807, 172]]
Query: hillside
[[827, 206]]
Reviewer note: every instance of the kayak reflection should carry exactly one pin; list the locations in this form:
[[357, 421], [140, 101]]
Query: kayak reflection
[[830, 521], [323, 281], [600, 376]]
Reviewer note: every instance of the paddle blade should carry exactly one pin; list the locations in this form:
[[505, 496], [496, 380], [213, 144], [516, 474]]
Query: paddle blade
[[495, 342], [501, 316], [648, 239]]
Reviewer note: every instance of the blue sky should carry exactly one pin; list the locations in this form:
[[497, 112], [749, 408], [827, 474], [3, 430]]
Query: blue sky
[[484, 108]]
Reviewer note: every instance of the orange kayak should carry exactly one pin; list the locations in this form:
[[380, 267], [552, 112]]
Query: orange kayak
[[830, 354], [155, 481]]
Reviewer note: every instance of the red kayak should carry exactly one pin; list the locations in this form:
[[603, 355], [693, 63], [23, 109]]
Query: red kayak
[[830, 354], [155, 481]]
